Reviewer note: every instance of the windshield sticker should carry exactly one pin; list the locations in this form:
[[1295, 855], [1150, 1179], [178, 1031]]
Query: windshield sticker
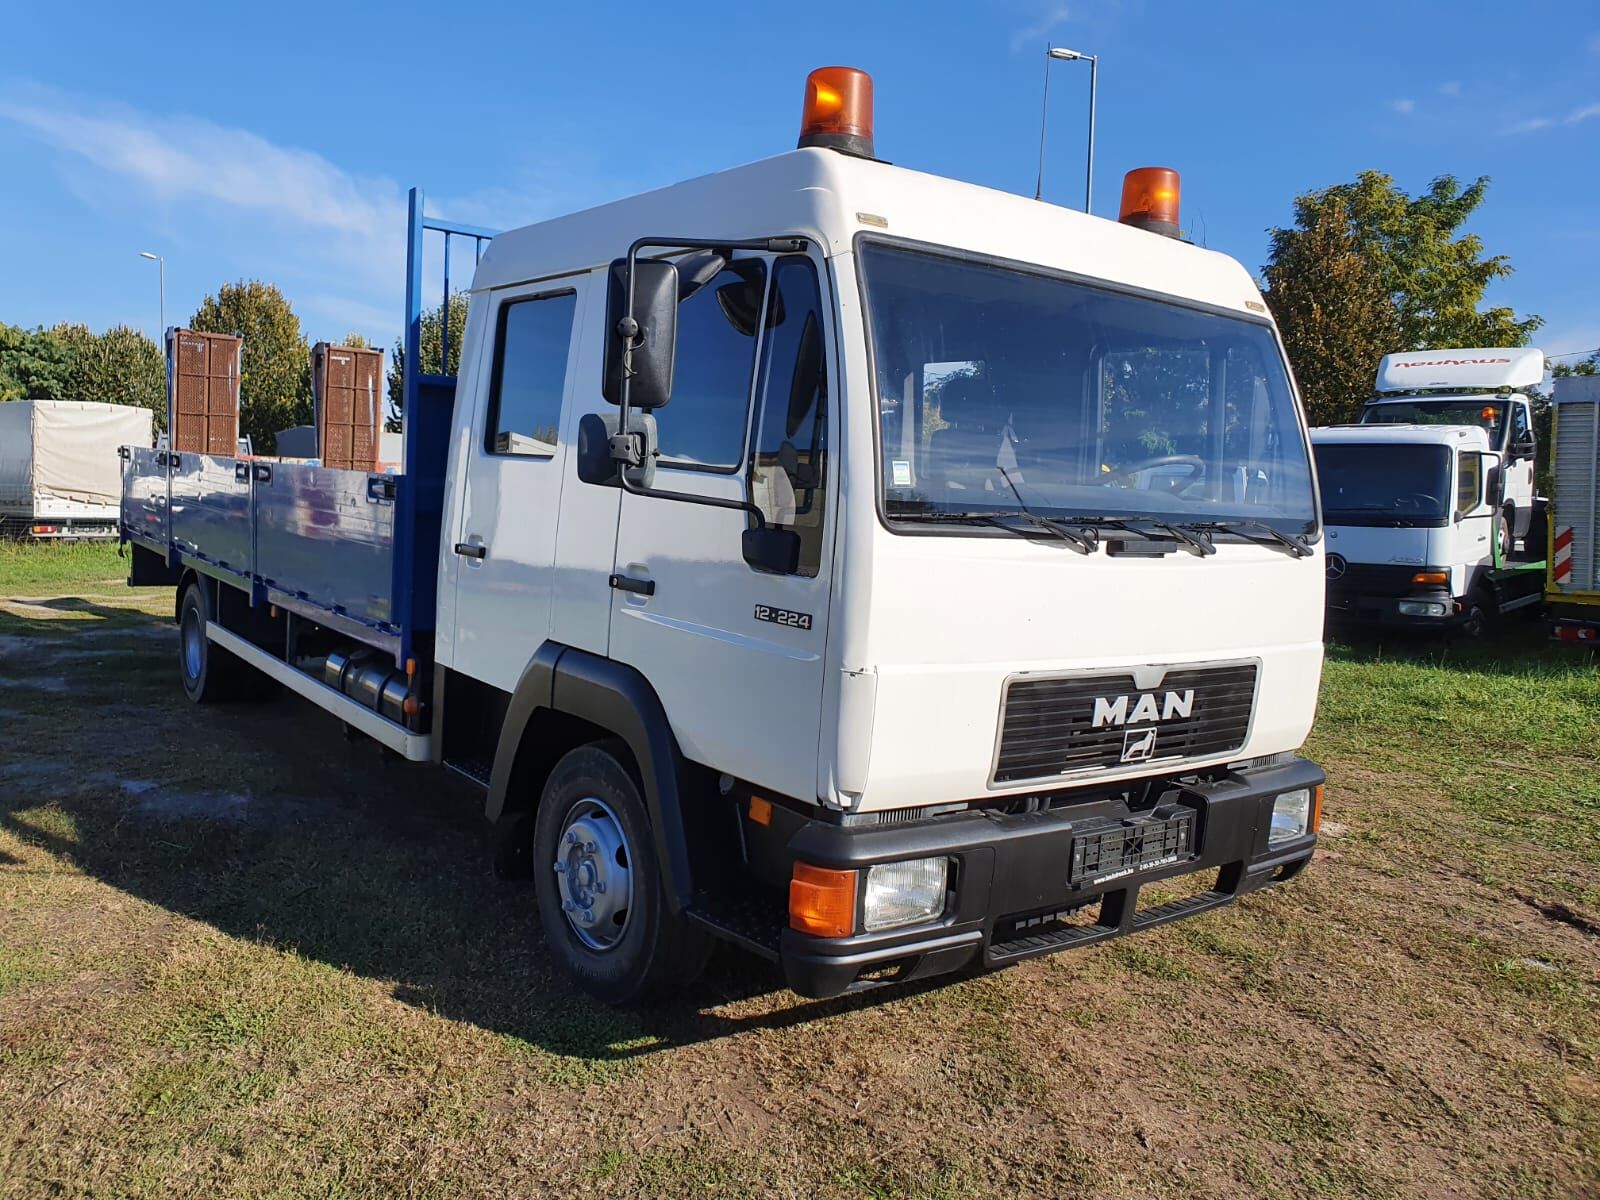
[[901, 473]]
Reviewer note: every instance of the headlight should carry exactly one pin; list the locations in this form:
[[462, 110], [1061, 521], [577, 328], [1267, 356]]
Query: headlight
[[904, 893], [1424, 608], [1291, 816]]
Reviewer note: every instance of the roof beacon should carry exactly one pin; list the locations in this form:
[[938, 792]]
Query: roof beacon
[[838, 112], [1150, 200]]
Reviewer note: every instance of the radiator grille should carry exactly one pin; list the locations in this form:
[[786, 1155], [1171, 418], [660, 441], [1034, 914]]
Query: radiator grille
[[1048, 725]]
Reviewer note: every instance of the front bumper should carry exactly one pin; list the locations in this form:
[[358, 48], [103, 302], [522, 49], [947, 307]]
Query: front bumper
[[1011, 882], [1385, 610]]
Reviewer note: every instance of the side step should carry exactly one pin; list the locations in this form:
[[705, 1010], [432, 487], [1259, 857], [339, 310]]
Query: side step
[[415, 747]]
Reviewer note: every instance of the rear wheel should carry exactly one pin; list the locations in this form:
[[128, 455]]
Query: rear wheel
[[210, 674], [602, 902]]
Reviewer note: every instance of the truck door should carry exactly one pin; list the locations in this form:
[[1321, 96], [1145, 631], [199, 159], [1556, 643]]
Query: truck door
[[736, 654], [505, 537], [1519, 472]]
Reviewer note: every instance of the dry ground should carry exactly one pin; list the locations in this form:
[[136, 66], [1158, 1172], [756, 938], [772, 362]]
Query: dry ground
[[241, 956]]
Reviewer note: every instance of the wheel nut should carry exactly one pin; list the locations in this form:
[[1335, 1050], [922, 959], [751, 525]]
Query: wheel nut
[[600, 886], [572, 838], [568, 906], [590, 847]]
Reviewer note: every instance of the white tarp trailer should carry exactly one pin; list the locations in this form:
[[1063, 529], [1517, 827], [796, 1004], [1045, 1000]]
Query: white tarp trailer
[[60, 473]]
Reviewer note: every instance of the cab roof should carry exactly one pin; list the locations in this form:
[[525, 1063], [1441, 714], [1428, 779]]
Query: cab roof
[[831, 197], [1465, 437], [1476, 367]]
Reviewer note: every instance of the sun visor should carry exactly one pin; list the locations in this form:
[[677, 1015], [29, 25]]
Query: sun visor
[[1427, 370]]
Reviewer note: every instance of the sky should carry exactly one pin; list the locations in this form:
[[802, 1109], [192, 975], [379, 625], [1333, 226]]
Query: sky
[[278, 141]]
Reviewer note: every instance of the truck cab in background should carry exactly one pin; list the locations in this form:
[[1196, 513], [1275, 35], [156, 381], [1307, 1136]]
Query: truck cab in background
[[1410, 513], [1486, 388]]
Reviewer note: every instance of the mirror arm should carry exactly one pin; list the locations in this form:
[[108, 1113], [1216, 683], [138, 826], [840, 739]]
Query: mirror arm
[[624, 447]]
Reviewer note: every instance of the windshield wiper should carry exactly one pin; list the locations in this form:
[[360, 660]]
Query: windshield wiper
[[1002, 519], [1086, 542], [1259, 531], [1197, 542]]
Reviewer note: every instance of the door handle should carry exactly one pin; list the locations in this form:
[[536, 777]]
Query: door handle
[[639, 587], [471, 549]]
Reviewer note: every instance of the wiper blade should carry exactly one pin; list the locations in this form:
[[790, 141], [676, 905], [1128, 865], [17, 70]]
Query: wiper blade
[[1083, 540], [1260, 531], [1197, 542]]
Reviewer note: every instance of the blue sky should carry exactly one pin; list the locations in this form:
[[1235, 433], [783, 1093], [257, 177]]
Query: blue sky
[[277, 141]]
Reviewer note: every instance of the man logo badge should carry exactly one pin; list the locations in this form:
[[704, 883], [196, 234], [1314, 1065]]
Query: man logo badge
[[1138, 745]]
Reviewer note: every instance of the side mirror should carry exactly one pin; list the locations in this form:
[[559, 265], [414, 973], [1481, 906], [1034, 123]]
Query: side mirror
[[645, 348], [1524, 448], [602, 452], [775, 551]]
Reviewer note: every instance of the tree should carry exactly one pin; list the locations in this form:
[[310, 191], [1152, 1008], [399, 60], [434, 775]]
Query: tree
[[1336, 315], [35, 364], [431, 337], [1587, 366], [275, 369], [71, 362], [356, 341]]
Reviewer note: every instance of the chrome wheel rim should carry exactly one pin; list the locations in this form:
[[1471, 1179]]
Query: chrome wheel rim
[[594, 874], [194, 644]]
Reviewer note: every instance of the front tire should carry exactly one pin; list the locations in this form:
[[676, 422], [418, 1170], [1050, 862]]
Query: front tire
[[209, 673], [602, 901]]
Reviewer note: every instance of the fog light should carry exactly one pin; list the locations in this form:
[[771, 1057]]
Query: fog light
[[1424, 608], [1291, 816], [903, 893]]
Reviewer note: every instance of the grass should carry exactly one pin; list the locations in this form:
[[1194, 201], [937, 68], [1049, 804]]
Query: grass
[[36, 568], [241, 956]]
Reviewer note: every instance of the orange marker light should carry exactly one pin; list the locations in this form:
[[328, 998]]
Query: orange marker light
[[1438, 578], [1150, 200], [822, 901], [761, 810], [1316, 809], [838, 111]]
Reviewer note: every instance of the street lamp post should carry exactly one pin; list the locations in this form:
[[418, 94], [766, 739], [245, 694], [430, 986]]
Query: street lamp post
[[1065, 55], [162, 263]]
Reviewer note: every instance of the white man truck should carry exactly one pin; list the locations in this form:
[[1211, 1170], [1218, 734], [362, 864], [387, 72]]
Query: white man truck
[[889, 575]]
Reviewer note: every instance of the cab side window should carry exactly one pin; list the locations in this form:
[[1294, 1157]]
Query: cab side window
[[788, 460], [532, 338], [703, 425], [1469, 483], [1520, 430]]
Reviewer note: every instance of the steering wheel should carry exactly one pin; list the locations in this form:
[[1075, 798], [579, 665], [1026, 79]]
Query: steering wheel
[[1417, 500], [1161, 460]]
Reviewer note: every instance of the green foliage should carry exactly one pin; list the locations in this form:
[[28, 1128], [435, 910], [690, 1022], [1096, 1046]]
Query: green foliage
[[431, 337], [71, 362], [1587, 366], [1332, 307], [1365, 261], [275, 371]]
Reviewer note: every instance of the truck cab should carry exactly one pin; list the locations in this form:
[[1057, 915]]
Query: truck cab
[[1485, 388], [887, 574], [1410, 516]]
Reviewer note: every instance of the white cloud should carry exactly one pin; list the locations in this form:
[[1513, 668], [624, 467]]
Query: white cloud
[[1576, 117], [1531, 125], [1405, 107], [1582, 114], [1035, 34], [1451, 89]]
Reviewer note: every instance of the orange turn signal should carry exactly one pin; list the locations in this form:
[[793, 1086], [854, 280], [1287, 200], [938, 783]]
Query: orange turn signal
[[761, 810], [1316, 809], [1436, 578], [1150, 199], [838, 110], [822, 901]]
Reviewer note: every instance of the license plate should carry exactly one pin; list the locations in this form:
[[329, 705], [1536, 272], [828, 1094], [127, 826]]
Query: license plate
[[1112, 850]]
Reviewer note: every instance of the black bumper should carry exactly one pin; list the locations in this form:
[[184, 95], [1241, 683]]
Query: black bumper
[[1373, 609], [1013, 876]]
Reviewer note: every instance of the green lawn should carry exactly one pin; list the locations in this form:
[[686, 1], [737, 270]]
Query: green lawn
[[240, 956], [32, 568]]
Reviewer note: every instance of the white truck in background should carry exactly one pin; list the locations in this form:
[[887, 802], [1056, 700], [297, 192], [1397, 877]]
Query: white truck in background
[[60, 475], [886, 574], [1482, 387], [1410, 513]]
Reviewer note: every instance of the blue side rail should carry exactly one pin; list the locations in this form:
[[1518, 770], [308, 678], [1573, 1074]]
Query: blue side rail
[[352, 551]]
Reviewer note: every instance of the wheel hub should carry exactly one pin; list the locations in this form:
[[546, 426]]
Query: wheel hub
[[594, 875]]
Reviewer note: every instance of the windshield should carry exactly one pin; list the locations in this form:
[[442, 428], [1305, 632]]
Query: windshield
[[1383, 485], [1462, 410], [999, 388]]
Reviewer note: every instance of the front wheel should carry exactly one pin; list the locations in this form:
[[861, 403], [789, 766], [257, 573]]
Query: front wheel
[[602, 902], [210, 674]]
